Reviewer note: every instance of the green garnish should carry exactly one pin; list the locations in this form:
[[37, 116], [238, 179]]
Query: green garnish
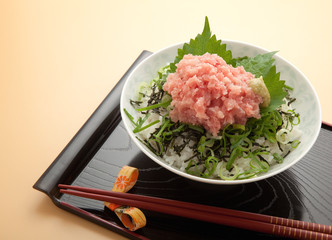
[[234, 154], [228, 175], [278, 158], [162, 104], [139, 124], [210, 165], [258, 65], [262, 65], [203, 43], [276, 89], [295, 143]]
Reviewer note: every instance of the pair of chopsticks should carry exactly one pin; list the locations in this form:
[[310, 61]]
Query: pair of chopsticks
[[251, 221]]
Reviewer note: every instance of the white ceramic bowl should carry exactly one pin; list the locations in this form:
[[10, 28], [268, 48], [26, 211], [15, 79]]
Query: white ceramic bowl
[[306, 104]]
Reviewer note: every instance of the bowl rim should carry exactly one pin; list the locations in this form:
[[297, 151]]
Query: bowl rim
[[220, 181]]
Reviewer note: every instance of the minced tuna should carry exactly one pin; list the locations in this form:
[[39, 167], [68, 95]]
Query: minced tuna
[[207, 91]]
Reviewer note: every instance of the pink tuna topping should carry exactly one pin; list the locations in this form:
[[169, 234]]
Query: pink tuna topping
[[207, 91]]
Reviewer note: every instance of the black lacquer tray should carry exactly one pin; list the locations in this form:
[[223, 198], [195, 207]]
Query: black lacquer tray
[[102, 146]]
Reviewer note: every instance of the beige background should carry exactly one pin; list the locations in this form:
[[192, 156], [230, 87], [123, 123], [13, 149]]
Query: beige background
[[59, 59]]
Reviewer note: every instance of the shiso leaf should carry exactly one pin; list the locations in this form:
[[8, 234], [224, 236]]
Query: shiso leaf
[[258, 65], [202, 44], [263, 65], [276, 89]]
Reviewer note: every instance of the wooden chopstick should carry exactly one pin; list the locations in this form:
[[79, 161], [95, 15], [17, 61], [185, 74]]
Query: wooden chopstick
[[250, 221], [224, 211]]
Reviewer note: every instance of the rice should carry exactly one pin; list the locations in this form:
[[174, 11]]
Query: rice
[[180, 160]]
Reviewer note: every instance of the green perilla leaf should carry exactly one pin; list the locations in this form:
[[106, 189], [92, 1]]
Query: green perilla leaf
[[202, 44]]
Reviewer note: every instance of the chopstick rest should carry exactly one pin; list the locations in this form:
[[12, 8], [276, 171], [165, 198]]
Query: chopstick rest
[[131, 217]]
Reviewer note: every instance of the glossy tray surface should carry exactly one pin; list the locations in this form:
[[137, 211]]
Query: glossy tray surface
[[96, 154]]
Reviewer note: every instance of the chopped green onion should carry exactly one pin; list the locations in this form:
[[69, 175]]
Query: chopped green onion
[[145, 127], [162, 104], [159, 145], [295, 143], [142, 89], [193, 164], [246, 144], [278, 158], [203, 143], [228, 175], [239, 126], [262, 166], [248, 174], [163, 126], [140, 122], [210, 165], [196, 128], [282, 136], [131, 118], [294, 116], [235, 153]]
